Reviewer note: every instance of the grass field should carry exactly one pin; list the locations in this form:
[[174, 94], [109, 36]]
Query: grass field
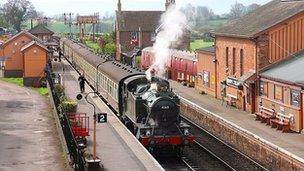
[[19, 81], [197, 44]]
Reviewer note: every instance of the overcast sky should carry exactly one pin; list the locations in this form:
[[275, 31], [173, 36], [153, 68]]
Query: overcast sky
[[52, 7]]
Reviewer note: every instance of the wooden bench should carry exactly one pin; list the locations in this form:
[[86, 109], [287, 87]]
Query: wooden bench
[[265, 114], [231, 101], [282, 122]]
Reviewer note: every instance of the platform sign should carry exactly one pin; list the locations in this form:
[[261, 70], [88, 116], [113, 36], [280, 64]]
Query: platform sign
[[101, 117]]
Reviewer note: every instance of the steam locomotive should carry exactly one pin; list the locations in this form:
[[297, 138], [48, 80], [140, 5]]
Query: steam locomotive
[[150, 109]]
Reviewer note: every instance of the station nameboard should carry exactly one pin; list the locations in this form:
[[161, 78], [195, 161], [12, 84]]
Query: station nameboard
[[90, 19]]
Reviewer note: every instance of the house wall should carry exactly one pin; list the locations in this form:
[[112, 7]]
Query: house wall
[[14, 64], [125, 38], [249, 55], [286, 38], [34, 56], [206, 65]]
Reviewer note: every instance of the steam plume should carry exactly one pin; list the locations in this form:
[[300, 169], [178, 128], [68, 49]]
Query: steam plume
[[173, 22]]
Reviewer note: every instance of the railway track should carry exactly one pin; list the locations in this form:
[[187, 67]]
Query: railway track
[[226, 156]]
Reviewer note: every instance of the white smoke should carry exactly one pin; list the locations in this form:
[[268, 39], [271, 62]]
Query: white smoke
[[173, 23]]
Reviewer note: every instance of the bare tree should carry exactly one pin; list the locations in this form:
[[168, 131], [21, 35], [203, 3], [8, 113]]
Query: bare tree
[[17, 11], [252, 7], [237, 10]]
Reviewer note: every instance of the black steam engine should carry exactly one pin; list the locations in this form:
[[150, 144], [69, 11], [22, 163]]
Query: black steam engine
[[152, 110]]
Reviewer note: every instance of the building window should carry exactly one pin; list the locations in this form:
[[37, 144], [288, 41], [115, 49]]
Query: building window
[[206, 78], [241, 62], [227, 57], [263, 88], [278, 92], [134, 35], [233, 61], [295, 98]]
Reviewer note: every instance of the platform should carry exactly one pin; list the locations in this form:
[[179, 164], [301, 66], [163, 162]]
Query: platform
[[28, 137], [291, 142], [117, 148]]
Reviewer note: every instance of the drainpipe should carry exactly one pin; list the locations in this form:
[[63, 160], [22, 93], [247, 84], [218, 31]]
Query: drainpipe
[[256, 73], [215, 63]]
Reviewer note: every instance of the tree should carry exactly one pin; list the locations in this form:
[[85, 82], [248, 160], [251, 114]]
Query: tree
[[203, 14], [18, 11], [237, 10], [110, 48], [252, 7]]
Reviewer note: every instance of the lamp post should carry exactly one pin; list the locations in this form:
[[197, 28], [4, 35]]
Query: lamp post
[[93, 164]]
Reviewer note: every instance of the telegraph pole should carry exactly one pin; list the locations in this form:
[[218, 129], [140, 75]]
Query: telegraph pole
[[68, 21]]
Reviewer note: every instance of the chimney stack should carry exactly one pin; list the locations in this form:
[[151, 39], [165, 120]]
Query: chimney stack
[[119, 6]]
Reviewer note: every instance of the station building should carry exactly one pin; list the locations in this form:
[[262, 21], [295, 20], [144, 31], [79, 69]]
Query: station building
[[25, 56], [205, 82], [245, 46], [281, 89]]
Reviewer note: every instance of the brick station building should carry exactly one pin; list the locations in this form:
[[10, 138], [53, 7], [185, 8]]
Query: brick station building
[[281, 89], [137, 29], [245, 46]]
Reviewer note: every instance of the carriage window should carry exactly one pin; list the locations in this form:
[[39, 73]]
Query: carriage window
[[295, 98]]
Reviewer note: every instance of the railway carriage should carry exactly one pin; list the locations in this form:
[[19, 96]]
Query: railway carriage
[[181, 65], [149, 109]]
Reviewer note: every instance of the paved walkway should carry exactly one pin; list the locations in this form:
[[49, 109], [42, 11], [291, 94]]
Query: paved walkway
[[28, 137], [292, 142], [115, 154]]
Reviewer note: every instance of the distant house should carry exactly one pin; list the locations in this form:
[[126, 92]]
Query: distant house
[[138, 29], [41, 32], [25, 56], [34, 54], [245, 46]]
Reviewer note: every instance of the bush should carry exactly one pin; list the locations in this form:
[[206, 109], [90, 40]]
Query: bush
[[69, 106], [59, 89]]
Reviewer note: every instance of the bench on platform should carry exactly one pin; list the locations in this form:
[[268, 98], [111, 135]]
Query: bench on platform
[[231, 101], [265, 114], [282, 122]]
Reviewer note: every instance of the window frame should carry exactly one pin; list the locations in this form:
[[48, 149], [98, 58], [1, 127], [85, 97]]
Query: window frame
[[275, 94], [291, 98]]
